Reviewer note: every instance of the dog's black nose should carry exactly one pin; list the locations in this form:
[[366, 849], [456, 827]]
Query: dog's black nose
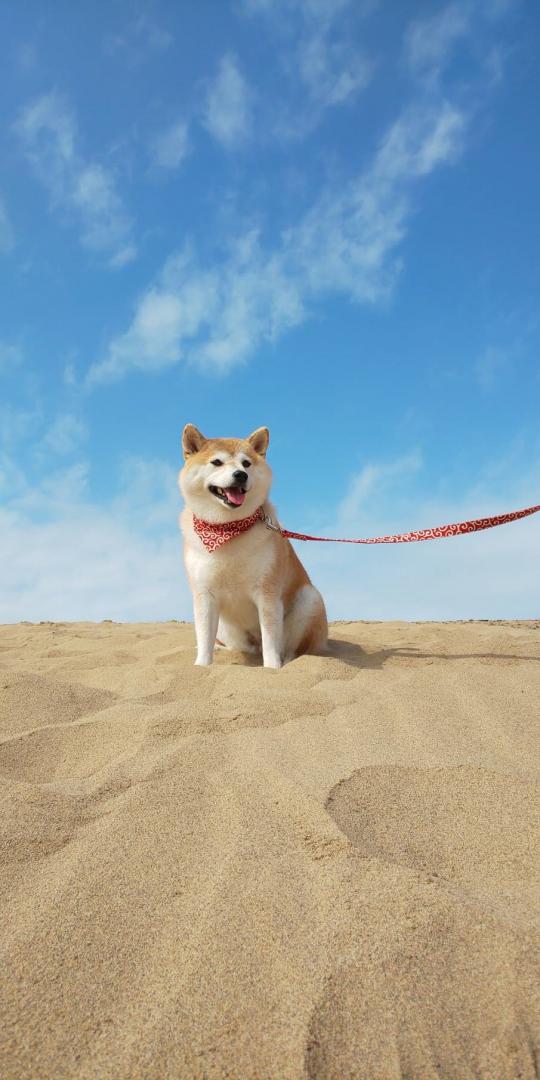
[[240, 476]]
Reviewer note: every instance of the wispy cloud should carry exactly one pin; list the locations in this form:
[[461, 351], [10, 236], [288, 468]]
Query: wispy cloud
[[48, 133], [26, 428], [27, 56], [11, 356], [7, 235], [129, 547], [318, 52], [430, 41], [105, 225], [499, 9], [16, 423], [217, 315], [422, 139], [227, 113], [163, 320], [64, 436], [373, 484], [333, 71], [138, 40], [489, 575], [170, 146], [492, 363], [319, 10]]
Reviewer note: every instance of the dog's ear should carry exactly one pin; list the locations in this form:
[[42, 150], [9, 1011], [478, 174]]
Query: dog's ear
[[192, 440], [259, 440]]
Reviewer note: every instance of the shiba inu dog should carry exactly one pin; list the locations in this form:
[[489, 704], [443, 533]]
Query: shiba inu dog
[[250, 590]]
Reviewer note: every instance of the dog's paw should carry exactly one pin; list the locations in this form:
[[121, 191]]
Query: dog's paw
[[202, 662]]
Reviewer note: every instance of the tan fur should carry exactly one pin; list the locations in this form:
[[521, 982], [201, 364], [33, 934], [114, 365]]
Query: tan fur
[[253, 592]]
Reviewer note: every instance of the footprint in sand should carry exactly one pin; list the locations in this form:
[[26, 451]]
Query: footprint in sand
[[439, 969], [461, 824]]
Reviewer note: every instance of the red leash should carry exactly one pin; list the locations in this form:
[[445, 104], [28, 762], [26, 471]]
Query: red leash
[[436, 533]]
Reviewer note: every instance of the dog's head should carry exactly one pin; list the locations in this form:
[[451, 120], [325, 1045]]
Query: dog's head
[[224, 479]]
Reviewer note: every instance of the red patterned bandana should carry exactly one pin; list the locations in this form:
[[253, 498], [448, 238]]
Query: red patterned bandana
[[214, 536]]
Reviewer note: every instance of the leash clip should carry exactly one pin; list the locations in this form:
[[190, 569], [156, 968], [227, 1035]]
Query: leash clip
[[268, 522]]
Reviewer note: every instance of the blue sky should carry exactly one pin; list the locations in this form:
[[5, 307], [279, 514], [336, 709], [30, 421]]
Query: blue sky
[[318, 215]]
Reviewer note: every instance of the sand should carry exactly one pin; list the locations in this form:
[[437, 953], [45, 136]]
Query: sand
[[330, 871]]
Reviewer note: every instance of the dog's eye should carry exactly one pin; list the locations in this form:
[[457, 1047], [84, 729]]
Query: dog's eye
[[246, 464], [216, 462]]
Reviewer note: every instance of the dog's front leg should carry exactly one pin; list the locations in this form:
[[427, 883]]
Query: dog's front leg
[[271, 620], [206, 624]]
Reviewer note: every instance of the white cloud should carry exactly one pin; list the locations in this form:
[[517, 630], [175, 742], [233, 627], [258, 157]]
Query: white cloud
[[216, 316], [64, 557], [227, 114], [48, 133], [154, 339], [47, 130], [123, 256], [170, 146], [491, 364], [333, 72], [213, 317], [7, 235], [320, 10], [487, 575], [318, 51], [65, 435], [70, 374], [139, 40], [104, 222], [16, 423], [27, 56], [419, 141], [11, 476], [11, 356], [93, 567], [430, 41], [373, 483], [499, 9]]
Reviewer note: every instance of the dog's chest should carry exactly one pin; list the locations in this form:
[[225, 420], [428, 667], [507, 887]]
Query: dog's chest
[[235, 571]]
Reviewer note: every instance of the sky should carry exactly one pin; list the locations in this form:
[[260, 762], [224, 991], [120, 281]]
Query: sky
[[316, 215]]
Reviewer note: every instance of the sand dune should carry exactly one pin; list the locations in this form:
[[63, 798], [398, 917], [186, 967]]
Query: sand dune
[[330, 871]]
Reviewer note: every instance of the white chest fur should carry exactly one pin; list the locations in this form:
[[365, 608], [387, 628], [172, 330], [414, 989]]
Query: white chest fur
[[235, 572]]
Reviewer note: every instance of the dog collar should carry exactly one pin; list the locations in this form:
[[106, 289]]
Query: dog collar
[[214, 536]]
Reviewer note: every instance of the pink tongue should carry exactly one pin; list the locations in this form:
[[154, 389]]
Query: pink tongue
[[235, 496]]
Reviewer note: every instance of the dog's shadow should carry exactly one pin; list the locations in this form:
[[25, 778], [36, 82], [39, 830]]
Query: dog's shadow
[[352, 654], [349, 652]]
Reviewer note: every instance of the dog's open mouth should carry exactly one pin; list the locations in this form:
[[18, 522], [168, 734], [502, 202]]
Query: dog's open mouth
[[230, 496]]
